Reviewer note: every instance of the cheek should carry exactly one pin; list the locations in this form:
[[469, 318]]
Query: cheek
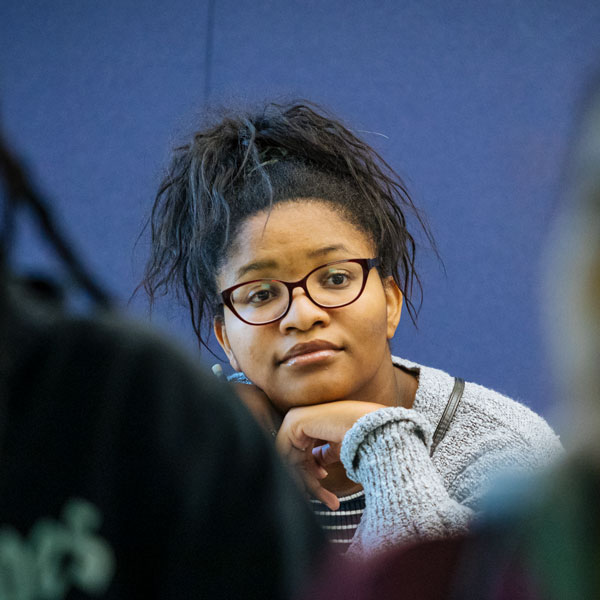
[[370, 317], [251, 348], [371, 336]]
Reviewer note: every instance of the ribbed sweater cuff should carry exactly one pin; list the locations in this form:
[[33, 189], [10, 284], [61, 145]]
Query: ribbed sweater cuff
[[412, 422]]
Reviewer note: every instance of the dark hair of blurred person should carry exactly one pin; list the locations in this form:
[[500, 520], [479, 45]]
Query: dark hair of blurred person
[[116, 479]]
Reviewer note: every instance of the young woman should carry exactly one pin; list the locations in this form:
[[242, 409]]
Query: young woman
[[289, 234]]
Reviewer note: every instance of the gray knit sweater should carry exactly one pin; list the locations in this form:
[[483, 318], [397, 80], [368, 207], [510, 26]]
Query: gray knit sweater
[[411, 495]]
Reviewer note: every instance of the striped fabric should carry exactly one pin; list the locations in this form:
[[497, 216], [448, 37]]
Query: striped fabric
[[340, 525]]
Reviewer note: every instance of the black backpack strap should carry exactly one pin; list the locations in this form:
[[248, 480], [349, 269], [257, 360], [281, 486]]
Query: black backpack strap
[[448, 414]]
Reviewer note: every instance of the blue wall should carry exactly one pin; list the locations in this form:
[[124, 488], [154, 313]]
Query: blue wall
[[476, 100]]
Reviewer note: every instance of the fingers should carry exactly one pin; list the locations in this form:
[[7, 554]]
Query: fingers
[[288, 444], [304, 460], [303, 427], [311, 474], [327, 454], [311, 471], [328, 498]]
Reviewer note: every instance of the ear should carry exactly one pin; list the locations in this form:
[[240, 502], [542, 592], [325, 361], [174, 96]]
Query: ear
[[393, 300], [221, 335]]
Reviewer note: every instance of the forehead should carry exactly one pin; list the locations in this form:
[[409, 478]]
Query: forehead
[[296, 235]]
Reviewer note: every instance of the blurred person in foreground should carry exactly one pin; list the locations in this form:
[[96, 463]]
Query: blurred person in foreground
[[540, 539], [116, 478]]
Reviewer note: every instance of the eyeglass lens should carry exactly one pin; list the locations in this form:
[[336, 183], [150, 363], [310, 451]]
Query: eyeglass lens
[[330, 286]]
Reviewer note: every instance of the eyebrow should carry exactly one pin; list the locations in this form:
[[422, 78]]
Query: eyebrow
[[327, 250], [259, 265]]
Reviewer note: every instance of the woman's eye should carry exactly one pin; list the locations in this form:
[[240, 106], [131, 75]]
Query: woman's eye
[[337, 279], [260, 296]]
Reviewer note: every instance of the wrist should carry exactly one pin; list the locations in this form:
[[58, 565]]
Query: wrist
[[379, 428]]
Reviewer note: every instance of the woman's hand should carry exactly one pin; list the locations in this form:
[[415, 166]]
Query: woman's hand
[[259, 404], [310, 437]]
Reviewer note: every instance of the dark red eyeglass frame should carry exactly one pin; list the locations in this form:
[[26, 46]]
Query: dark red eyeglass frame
[[366, 263]]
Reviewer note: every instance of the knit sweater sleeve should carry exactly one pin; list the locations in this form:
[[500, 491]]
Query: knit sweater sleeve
[[387, 452]]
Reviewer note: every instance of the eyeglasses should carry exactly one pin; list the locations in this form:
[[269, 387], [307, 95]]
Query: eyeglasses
[[332, 285]]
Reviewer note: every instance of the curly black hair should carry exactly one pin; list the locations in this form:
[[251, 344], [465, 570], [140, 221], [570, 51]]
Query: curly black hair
[[244, 164]]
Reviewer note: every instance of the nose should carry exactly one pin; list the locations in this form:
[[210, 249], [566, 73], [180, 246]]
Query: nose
[[303, 313]]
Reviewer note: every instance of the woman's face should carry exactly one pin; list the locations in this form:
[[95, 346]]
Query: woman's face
[[286, 244]]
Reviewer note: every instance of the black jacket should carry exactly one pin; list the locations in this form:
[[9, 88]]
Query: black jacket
[[126, 472]]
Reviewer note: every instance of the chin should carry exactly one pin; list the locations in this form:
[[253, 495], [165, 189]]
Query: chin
[[317, 390]]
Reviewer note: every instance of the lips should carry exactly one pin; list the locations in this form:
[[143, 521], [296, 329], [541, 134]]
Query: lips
[[316, 348]]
